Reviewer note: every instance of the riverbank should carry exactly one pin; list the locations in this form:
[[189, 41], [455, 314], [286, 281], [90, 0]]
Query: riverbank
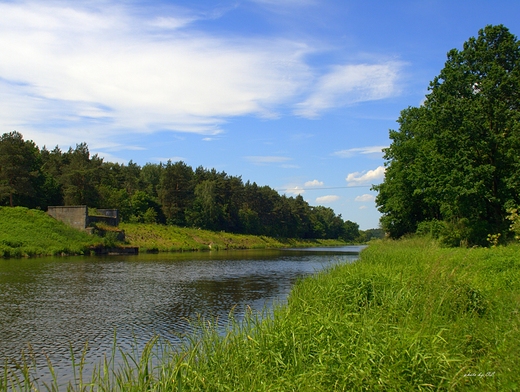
[[29, 233], [161, 238], [408, 316]]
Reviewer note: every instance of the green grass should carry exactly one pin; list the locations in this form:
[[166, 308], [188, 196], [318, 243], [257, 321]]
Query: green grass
[[172, 238], [25, 233], [408, 316]]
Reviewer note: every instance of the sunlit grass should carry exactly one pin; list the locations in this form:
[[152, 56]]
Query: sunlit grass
[[408, 316], [27, 233], [164, 238]]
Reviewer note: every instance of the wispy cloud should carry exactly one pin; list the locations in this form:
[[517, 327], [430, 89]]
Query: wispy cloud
[[77, 68], [327, 199], [285, 3], [70, 69], [349, 84], [268, 159], [367, 177], [376, 151]]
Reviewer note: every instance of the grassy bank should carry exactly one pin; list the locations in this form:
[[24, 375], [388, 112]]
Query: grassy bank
[[25, 233], [172, 238], [408, 316]]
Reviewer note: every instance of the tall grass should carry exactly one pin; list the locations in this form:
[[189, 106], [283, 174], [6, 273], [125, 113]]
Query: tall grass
[[408, 316]]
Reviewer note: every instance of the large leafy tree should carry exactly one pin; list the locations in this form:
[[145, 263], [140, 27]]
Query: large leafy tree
[[456, 157]]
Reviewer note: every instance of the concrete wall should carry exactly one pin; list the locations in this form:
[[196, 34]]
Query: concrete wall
[[111, 214], [74, 216], [77, 216], [107, 220]]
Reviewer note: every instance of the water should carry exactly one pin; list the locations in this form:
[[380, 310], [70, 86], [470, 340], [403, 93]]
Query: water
[[50, 306]]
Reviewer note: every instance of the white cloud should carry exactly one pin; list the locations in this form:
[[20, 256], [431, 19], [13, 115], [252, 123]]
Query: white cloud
[[327, 199], [263, 160], [365, 198], [70, 69], [313, 183], [363, 207], [349, 84], [352, 152], [366, 177], [76, 69], [171, 23]]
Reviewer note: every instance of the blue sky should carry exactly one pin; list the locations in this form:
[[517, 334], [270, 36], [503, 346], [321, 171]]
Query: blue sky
[[295, 94]]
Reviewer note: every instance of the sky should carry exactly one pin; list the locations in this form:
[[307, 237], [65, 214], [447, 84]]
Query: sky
[[298, 95]]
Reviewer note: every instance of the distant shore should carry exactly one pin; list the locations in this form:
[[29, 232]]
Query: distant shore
[[31, 233]]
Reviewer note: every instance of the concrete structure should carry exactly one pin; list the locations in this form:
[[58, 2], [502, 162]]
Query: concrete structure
[[109, 217], [77, 216], [74, 216]]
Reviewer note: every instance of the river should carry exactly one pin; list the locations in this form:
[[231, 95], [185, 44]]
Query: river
[[52, 306]]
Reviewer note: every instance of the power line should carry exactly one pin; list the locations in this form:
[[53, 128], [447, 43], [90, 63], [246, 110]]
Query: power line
[[324, 188]]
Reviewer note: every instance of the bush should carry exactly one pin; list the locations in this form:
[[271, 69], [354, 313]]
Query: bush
[[433, 228]]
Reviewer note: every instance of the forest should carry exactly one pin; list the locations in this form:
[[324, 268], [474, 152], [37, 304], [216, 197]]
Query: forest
[[453, 167], [170, 193]]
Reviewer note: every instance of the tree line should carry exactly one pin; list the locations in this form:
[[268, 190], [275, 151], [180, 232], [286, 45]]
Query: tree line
[[453, 167], [170, 193]]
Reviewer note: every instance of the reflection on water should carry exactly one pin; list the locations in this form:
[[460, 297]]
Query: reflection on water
[[58, 304]]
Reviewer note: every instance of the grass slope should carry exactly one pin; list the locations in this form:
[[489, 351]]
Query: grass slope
[[25, 232], [172, 238]]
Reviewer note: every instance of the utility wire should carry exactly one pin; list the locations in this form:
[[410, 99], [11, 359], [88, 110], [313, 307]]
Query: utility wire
[[317, 189]]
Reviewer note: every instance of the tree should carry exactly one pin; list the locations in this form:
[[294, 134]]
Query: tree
[[326, 223], [150, 177], [19, 166], [456, 158], [80, 175], [351, 231], [207, 211], [175, 191]]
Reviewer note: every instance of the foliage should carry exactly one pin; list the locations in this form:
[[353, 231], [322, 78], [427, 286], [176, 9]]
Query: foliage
[[18, 168], [454, 158], [171, 193], [408, 316], [514, 218]]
